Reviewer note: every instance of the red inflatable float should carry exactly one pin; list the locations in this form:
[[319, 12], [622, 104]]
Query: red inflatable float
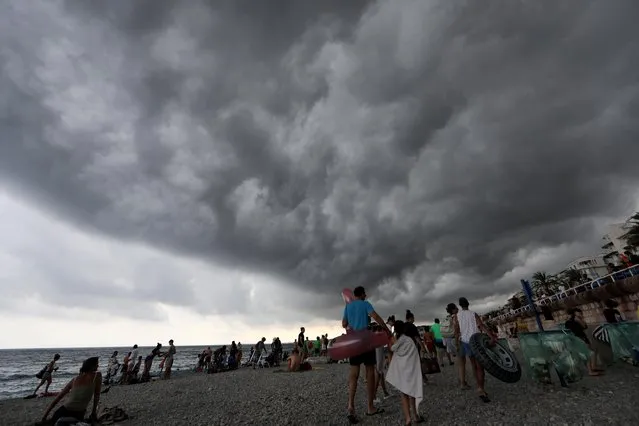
[[347, 295], [355, 343]]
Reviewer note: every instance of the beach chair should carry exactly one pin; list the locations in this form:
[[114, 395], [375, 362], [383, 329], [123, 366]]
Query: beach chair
[[262, 362]]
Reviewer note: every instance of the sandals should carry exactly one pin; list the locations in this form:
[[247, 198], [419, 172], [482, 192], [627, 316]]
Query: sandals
[[484, 397], [376, 412]]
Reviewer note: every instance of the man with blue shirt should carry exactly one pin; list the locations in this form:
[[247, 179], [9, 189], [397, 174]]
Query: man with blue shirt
[[357, 316]]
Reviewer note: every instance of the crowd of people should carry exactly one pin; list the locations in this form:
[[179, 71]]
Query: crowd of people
[[401, 363], [87, 385], [129, 368], [231, 357]]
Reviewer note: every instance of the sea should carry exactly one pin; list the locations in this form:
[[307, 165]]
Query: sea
[[18, 367]]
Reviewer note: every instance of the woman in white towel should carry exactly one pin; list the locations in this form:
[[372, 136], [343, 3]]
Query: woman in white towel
[[405, 373]]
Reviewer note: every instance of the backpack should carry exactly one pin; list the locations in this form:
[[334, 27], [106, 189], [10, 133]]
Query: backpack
[[446, 328], [40, 374]]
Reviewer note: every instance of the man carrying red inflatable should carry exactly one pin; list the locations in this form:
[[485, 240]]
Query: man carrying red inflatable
[[356, 317]]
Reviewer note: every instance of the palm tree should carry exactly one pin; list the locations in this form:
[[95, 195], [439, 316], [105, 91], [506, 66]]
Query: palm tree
[[544, 281], [632, 236], [573, 275]]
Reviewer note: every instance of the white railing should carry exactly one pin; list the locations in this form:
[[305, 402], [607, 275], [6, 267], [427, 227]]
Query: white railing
[[580, 288]]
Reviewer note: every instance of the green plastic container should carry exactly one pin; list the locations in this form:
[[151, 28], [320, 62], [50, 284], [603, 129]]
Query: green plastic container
[[554, 351]]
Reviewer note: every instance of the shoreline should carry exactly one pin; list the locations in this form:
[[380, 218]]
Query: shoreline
[[60, 381], [319, 397]]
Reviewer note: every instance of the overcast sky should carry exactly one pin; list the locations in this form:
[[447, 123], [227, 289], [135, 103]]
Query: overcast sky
[[217, 170]]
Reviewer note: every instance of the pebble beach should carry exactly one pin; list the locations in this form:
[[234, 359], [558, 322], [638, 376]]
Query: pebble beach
[[318, 397]]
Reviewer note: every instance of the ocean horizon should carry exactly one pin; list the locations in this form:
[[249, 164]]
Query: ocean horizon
[[130, 346], [18, 367]]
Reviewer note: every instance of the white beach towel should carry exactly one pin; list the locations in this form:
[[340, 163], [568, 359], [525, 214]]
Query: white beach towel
[[405, 371]]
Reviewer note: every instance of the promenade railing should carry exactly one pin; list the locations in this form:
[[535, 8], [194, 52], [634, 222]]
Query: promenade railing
[[579, 288]]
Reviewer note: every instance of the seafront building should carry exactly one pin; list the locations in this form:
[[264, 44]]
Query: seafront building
[[596, 266], [613, 244], [591, 266]]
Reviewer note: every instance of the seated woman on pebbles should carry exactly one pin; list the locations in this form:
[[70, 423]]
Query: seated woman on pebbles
[[78, 392], [295, 362]]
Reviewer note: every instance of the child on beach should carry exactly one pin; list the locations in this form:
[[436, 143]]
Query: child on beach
[[404, 373]]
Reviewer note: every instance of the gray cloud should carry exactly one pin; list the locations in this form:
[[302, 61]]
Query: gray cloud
[[329, 143]]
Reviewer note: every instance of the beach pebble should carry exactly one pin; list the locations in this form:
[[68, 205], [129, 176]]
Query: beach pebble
[[319, 397]]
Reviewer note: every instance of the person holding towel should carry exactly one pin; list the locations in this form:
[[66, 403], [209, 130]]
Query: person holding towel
[[404, 373]]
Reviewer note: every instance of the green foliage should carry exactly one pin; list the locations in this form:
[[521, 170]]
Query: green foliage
[[572, 276], [546, 282], [632, 236]]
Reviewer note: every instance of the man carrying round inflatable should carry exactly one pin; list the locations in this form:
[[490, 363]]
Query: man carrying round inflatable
[[356, 317]]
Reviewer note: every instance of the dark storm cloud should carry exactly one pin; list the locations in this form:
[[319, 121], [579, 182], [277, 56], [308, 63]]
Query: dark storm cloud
[[332, 143]]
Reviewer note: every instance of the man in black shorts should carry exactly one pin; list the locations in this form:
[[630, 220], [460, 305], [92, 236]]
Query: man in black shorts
[[356, 317]]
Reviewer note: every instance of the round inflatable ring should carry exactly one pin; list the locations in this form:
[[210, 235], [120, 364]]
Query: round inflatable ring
[[497, 360]]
